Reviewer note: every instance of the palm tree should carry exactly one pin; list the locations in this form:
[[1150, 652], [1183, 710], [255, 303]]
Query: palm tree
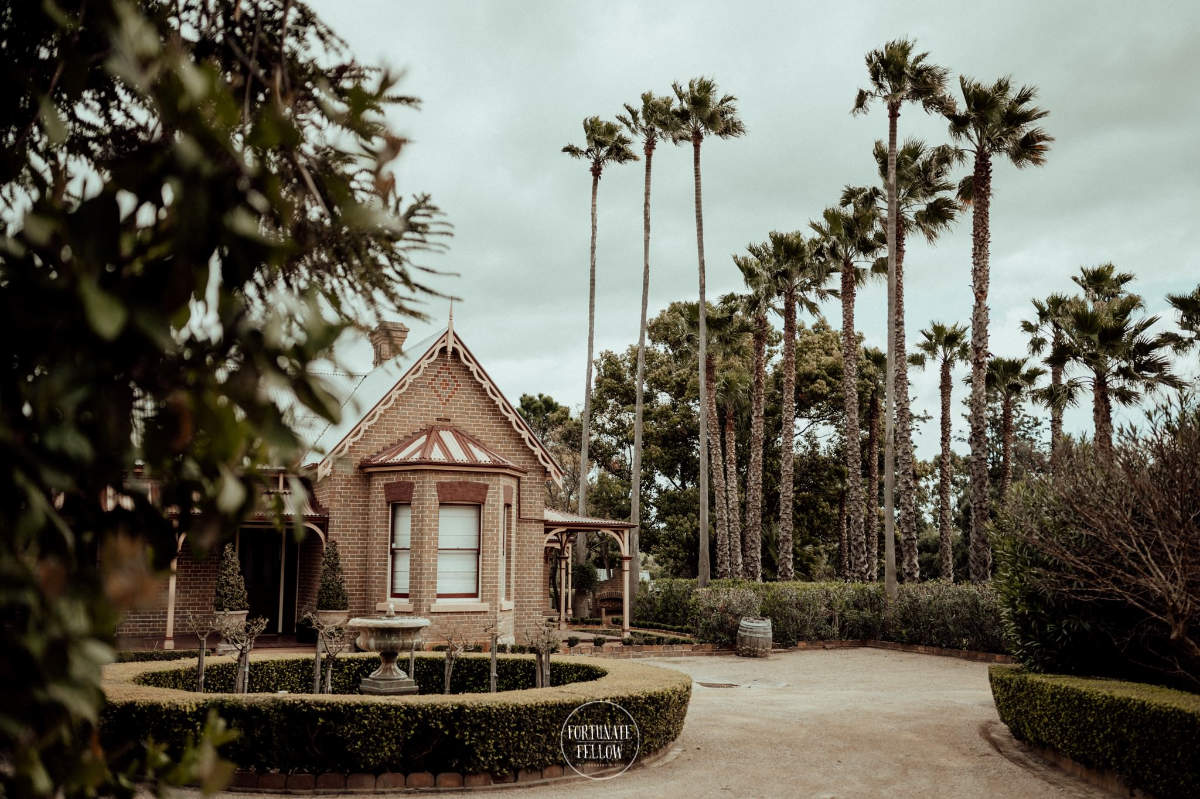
[[1104, 334], [701, 113], [847, 239], [654, 122], [898, 75], [922, 204], [796, 276], [948, 345], [1188, 307], [731, 342], [756, 304], [994, 121], [1045, 337], [1011, 381], [604, 144], [877, 361]]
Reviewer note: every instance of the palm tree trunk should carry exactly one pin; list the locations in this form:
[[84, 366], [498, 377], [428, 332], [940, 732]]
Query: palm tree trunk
[[906, 479], [702, 564], [752, 552], [946, 548], [1102, 415], [635, 500], [1006, 432], [874, 417], [1056, 410], [853, 454], [981, 552], [734, 514], [843, 544], [889, 447], [717, 464], [785, 565], [581, 549]]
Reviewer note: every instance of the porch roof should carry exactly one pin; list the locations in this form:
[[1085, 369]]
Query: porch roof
[[556, 519]]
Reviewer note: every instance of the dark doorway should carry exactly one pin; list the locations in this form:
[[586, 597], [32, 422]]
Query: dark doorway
[[270, 576]]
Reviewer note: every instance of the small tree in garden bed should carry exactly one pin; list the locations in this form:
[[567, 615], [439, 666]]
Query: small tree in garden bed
[[241, 636], [456, 644], [230, 593], [332, 594], [543, 640], [202, 625]]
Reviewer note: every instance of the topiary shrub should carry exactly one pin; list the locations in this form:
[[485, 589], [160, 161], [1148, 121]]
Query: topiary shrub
[[1146, 734], [951, 616], [465, 733], [230, 592], [332, 593]]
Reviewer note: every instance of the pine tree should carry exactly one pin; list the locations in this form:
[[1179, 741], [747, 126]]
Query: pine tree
[[332, 594], [230, 594]]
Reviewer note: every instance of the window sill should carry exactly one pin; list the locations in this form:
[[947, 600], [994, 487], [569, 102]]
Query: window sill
[[458, 606], [401, 606], [506, 604]]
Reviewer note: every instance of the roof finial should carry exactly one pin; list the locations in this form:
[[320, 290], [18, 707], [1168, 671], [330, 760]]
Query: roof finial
[[450, 330]]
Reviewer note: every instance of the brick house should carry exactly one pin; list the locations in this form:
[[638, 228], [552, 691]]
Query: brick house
[[433, 487]]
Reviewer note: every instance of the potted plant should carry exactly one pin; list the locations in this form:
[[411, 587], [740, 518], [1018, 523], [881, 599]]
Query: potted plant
[[231, 604], [333, 604]]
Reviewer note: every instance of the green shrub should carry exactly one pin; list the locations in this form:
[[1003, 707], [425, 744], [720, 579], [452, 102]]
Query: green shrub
[[584, 577], [150, 655], [230, 592], [469, 733], [933, 614], [572, 640], [1096, 563], [1145, 733], [332, 593], [666, 602]]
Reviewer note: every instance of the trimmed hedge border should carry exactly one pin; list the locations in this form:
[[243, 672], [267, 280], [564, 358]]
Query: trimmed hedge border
[[621, 652], [500, 734], [1145, 734]]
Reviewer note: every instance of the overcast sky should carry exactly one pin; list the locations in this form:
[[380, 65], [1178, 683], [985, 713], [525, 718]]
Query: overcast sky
[[506, 85]]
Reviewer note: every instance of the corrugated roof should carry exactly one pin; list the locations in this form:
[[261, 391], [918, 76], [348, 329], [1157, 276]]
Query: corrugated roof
[[558, 518], [439, 445]]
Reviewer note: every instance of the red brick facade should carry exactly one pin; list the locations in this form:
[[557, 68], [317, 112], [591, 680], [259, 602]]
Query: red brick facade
[[443, 388]]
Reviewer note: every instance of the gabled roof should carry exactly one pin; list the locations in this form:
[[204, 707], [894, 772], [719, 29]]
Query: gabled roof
[[439, 445], [378, 391]]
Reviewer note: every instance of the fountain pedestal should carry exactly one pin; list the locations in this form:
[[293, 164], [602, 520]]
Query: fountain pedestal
[[388, 635]]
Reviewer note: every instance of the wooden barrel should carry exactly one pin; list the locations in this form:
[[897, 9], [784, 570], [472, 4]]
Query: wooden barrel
[[754, 637]]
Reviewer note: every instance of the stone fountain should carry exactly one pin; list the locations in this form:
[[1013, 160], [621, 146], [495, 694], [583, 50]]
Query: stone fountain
[[388, 635]]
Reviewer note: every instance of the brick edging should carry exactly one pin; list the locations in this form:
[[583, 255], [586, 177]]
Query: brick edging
[[390, 782], [618, 650]]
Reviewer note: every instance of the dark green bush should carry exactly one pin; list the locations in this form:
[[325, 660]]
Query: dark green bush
[[471, 733], [148, 655], [666, 601], [294, 675], [584, 577], [1145, 733], [230, 593], [933, 614], [332, 593], [1098, 564]]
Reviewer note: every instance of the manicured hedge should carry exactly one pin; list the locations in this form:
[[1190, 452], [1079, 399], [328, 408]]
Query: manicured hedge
[[466, 733], [144, 655], [939, 614], [1145, 733]]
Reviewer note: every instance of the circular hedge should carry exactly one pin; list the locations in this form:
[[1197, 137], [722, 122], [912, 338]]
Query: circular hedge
[[468, 732]]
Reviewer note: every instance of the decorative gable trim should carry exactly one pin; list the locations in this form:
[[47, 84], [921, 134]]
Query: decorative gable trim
[[450, 341]]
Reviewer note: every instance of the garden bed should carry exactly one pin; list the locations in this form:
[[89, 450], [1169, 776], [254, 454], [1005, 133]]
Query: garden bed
[[1144, 734], [469, 733]]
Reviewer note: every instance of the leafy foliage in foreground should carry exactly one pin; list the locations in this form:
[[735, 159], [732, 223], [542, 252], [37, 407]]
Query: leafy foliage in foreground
[[469, 733], [192, 189], [1145, 733]]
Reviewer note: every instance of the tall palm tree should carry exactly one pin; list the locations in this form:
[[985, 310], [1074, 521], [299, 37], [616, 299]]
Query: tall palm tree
[[652, 123], [756, 304], [1188, 308], [1045, 337], [732, 341], [700, 113], [797, 277], [877, 361], [604, 144], [848, 238], [898, 75], [1105, 334], [994, 121], [948, 345], [1011, 381], [922, 204]]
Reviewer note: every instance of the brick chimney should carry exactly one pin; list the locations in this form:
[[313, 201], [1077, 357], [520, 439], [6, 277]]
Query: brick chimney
[[388, 340]]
